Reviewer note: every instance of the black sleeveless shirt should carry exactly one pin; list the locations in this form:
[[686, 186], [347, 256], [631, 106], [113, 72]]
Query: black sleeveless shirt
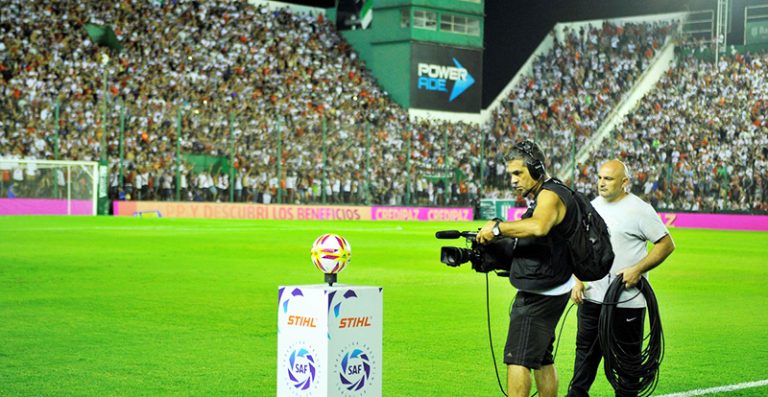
[[541, 263]]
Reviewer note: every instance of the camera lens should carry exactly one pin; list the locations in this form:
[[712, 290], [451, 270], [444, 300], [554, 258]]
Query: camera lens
[[454, 256]]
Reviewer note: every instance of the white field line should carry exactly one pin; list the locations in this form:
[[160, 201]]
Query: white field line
[[719, 389]]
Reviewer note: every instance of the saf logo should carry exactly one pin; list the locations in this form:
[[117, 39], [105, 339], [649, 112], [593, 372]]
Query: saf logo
[[302, 368], [355, 368]]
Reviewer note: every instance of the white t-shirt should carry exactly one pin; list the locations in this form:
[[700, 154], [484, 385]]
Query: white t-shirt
[[202, 181], [18, 174], [167, 181], [60, 177], [561, 289], [290, 182], [5, 166], [31, 166], [223, 182], [632, 223]]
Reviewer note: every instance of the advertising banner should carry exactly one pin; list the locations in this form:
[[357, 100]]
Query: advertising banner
[[695, 220], [421, 214], [756, 32], [167, 209], [496, 208], [515, 213], [715, 221], [488, 209], [446, 78], [329, 341], [19, 206]]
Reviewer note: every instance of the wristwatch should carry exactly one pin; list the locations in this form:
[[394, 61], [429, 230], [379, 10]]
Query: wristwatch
[[495, 230]]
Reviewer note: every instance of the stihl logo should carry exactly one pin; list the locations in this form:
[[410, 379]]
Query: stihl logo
[[351, 322], [302, 321]]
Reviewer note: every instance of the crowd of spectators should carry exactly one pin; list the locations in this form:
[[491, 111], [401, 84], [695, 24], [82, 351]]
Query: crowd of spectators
[[699, 141], [573, 87], [287, 99], [225, 67]]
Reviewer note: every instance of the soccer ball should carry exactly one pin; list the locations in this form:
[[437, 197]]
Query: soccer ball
[[331, 253]]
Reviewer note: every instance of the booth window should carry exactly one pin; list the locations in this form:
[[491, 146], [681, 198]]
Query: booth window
[[425, 19], [459, 24], [405, 18]]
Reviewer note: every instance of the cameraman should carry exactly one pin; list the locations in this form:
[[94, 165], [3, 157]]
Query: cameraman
[[541, 270]]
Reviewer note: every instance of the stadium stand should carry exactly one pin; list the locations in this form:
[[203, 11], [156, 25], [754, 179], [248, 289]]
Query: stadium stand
[[286, 97], [270, 69], [574, 86], [699, 141]]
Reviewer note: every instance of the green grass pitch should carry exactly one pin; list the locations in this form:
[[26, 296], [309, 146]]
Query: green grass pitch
[[98, 306]]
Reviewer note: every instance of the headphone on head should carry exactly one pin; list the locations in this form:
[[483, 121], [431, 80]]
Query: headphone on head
[[534, 165]]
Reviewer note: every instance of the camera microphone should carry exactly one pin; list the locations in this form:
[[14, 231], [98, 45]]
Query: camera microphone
[[448, 234]]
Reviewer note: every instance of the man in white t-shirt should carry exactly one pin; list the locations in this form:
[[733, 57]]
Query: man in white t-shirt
[[290, 187], [632, 223]]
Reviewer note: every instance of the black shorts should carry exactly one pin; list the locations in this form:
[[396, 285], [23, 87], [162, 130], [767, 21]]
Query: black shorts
[[532, 323]]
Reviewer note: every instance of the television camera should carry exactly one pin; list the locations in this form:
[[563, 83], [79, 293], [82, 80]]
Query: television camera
[[494, 256]]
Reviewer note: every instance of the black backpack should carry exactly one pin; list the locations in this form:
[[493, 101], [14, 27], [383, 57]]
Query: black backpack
[[590, 244]]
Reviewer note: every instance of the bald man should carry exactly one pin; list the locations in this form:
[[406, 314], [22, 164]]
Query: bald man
[[632, 223]]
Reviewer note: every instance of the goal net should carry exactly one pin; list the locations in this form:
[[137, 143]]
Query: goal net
[[48, 187]]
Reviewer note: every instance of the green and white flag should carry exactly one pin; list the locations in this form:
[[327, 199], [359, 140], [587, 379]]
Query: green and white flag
[[104, 36]]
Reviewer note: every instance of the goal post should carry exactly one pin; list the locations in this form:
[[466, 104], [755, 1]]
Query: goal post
[[48, 187]]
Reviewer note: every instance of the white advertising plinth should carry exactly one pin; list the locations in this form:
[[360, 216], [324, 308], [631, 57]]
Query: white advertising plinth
[[329, 341]]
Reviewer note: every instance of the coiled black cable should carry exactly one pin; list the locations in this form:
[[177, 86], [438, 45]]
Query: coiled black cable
[[628, 372]]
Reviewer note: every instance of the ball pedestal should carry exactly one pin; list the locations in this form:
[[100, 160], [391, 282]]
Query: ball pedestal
[[329, 340]]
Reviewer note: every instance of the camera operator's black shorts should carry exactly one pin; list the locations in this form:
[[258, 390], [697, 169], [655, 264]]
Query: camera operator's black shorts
[[532, 323]]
